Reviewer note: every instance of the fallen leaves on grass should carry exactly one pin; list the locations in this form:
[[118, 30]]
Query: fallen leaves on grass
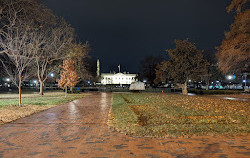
[[13, 112], [172, 114]]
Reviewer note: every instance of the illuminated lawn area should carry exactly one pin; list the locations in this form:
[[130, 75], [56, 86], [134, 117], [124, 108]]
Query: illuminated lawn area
[[147, 114], [32, 103]]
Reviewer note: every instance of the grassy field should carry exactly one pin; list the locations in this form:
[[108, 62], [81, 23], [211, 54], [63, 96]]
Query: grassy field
[[161, 115], [32, 103]]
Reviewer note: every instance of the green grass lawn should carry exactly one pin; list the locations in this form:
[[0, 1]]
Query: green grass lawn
[[32, 103], [147, 114]]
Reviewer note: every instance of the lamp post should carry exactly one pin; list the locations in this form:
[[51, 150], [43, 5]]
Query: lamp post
[[35, 82], [229, 77], [8, 80], [245, 81]]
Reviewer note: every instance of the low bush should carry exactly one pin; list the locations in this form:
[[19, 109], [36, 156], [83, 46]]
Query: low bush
[[211, 92]]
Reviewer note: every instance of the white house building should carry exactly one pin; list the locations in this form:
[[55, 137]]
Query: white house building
[[117, 78]]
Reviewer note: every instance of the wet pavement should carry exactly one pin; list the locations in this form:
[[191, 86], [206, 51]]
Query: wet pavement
[[78, 129]]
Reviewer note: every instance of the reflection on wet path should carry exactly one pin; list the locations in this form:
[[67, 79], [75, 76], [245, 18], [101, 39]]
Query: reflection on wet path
[[229, 98], [238, 99], [78, 129]]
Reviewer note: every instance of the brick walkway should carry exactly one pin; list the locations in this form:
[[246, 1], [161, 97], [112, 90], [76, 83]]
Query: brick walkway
[[78, 129]]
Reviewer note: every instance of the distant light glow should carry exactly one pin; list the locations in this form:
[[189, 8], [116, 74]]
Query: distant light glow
[[8, 80], [217, 81], [144, 81], [244, 81], [52, 75], [230, 77], [189, 80], [35, 81]]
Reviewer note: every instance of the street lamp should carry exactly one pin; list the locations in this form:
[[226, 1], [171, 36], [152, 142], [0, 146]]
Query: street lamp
[[245, 80], [35, 82], [229, 77], [52, 75]]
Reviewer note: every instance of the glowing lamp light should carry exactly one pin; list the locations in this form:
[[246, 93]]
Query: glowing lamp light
[[52, 75], [35, 81], [230, 77], [244, 81], [8, 80]]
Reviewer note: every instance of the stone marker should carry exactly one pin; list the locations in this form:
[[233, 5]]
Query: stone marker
[[137, 86]]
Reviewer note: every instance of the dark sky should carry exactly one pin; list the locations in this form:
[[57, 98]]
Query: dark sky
[[126, 31]]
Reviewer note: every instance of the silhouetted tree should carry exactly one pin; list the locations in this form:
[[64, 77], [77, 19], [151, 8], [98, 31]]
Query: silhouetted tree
[[79, 53], [186, 62], [213, 71], [147, 67]]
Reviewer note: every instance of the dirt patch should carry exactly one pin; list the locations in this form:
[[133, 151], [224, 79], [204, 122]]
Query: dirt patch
[[139, 110], [126, 100], [147, 115]]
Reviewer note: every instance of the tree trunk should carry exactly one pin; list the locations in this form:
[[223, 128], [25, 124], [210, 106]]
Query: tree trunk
[[20, 94], [184, 88], [41, 87], [71, 89], [207, 84], [66, 91]]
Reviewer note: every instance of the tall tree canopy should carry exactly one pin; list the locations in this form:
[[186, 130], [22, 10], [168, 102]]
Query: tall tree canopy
[[186, 62], [234, 53]]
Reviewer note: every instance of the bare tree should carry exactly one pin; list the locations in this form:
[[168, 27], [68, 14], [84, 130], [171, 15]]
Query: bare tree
[[18, 40], [57, 43]]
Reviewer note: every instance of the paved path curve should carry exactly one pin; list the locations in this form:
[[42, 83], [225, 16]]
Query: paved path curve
[[78, 129]]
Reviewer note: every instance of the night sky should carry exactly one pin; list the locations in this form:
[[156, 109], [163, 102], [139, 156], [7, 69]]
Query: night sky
[[126, 31]]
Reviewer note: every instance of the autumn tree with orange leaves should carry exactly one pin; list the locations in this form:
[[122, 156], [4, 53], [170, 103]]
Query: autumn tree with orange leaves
[[234, 53], [68, 76]]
